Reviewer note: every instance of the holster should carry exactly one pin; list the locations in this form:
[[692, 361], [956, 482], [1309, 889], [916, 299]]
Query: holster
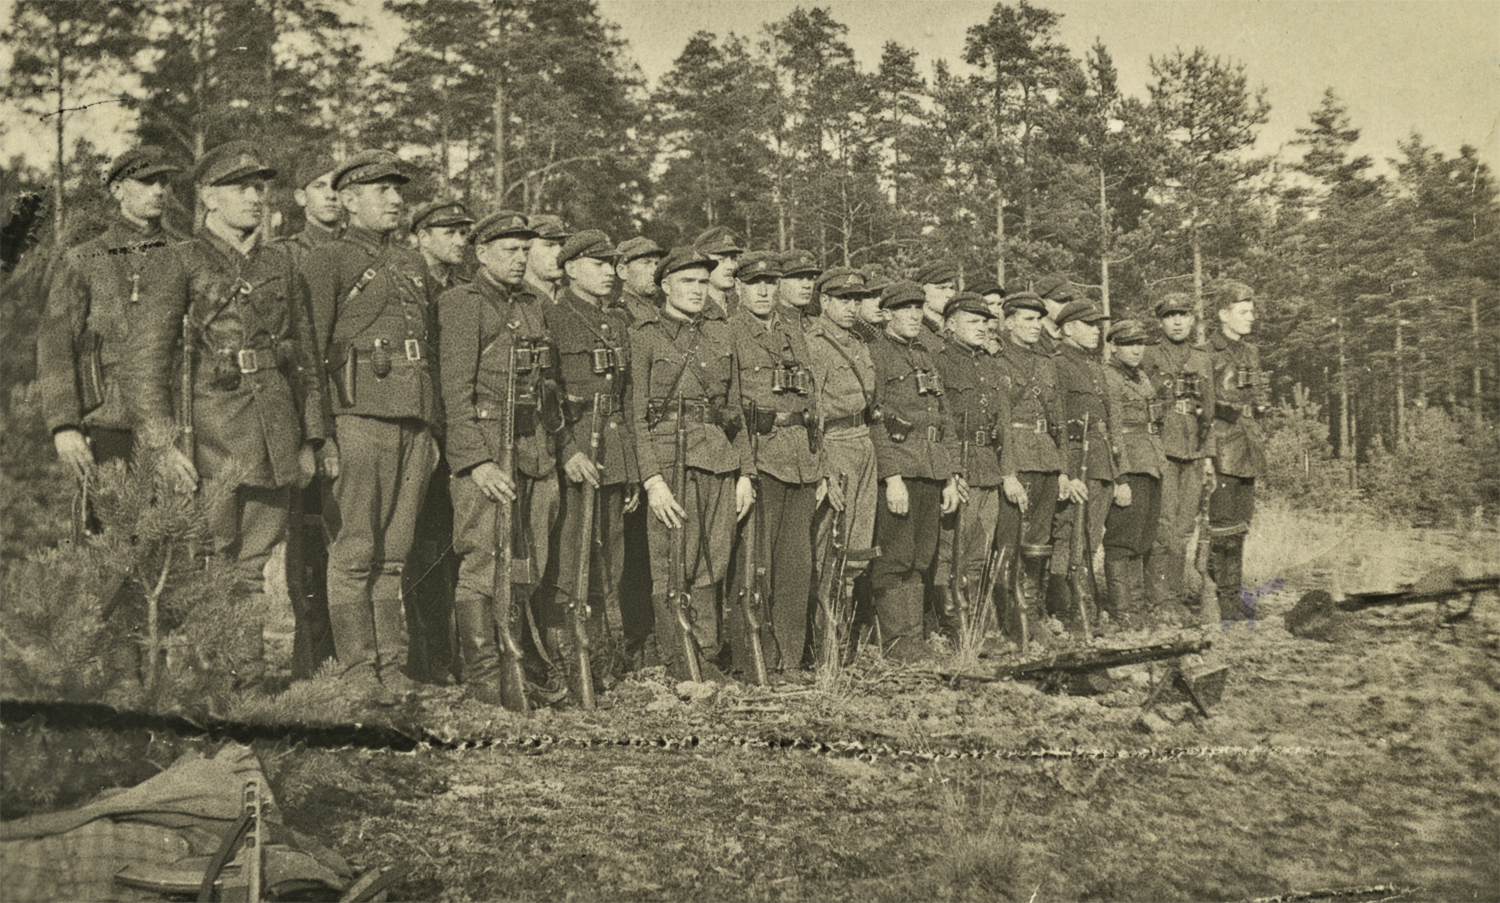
[[898, 428], [90, 370], [815, 436], [1227, 412], [344, 377]]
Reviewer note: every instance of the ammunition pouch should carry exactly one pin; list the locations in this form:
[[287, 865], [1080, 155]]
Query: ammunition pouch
[[90, 350], [550, 406]]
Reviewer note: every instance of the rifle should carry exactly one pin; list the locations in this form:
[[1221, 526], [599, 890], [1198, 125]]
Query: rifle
[[1018, 581], [1083, 592], [678, 592], [1208, 591], [1054, 666], [1441, 585], [994, 566], [578, 611], [512, 678], [957, 601], [752, 591], [831, 582], [185, 389], [81, 512]]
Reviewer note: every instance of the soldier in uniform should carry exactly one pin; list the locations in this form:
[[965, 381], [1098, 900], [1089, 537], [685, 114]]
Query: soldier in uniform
[[636, 267], [1080, 380], [994, 296], [1184, 376], [1236, 443], [844, 380], [721, 246], [441, 231], [939, 282], [258, 405], [323, 215], [1056, 291], [682, 366], [1130, 527], [974, 391], [373, 318], [543, 273], [794, 293], [771, 351], [88, 317], [593, 350], [1030, 461], [848, 283], [918, 471]]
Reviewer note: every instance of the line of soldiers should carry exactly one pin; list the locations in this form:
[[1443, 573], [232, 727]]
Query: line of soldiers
[[737, 463]]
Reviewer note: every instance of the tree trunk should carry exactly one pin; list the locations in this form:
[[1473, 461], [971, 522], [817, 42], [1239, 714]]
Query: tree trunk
[[999, 235], [1104, 236], [445, 184], [59, 232], [499, 110], [1195, 238], [1400, 383], [1345, 446], [1478, 368]]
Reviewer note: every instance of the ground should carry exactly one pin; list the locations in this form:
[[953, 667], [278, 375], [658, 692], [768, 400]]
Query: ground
[[1323, 767]]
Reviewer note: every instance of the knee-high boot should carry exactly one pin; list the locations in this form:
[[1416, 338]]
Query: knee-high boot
[[479, 648], [898, 605], [1226, 567]]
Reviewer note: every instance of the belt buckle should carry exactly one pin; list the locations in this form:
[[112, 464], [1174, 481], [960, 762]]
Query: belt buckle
[[1041, 424], [413, 350], [934, 434], [248, 360], [981, 438], [1154, 428]]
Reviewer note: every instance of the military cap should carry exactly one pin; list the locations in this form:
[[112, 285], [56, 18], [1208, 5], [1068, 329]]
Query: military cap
[[718, 240], [312, 165], [875, 279], [140, 163], [841, 282], [936, 273], [797, 262], [681, 258], [638, 247], [500, 224], [1230, 292], [434, 214], [1025, 301], [758, 265], [1081, 311], [587, 243], [968, 302], [550, 227], [987, 288], [230, 162], [1055, 287], [901, 294], [1175, 303], [1131, 332], [369, 166]]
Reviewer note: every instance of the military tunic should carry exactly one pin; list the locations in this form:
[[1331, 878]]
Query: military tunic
[[1081, 386], [1236, 442], [769, 350], [975, 389], [1141, 456], [313, 234], [637, 308], [1184, 377], [257, 392], [90, 315], [1029, 449], [373, 318]]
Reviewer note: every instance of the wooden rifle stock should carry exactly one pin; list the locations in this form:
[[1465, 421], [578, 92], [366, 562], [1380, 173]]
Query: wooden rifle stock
[[958, 577], [578, 611], [753, 590], [1208, 591], [512, 677], [677, 555], [1080, 557]]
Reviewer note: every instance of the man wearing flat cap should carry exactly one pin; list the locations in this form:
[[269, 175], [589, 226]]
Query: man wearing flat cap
[[1183, 374], [683, 373], [872, 317], [974, 389], [87, 319], [847, 282], [939, 282], [847, 405], [322, 213], [636, 269], [1086, 405], [722, 246], [1236, 442], [1030, 464], [916, 455], [593, 351], [258, 402], [794, 292], [780, 404], [441, 231], [373, 315], [543, 272], [1055, 290], [1130, 527], [994, 296]]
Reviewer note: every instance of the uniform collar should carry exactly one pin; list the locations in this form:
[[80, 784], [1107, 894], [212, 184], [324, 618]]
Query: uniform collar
[[367, 239]]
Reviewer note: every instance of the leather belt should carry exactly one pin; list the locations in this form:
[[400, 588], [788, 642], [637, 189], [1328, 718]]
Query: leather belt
[[1038, 425], [983, 439], [252, 360], [608, 404], [696, 411], [412, 350], [1152, 427], [847, 423]]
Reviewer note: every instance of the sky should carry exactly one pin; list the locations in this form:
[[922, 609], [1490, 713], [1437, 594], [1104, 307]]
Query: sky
[[1432, 66]]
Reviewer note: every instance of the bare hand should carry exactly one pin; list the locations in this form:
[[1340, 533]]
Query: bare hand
[[664, 506], [963, 488], [73, 450], [1015, 492], [744, 497], [1208, 468], [833, 492], [328, 460], [307, 465], [1122, 495], [493, 482], [896, 500], [179, 469], [581, 470], [632, 499], [953, 495], [1073, 490]]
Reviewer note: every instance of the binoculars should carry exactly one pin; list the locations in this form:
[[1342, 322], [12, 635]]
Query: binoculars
[[792, 378], [929, 383]]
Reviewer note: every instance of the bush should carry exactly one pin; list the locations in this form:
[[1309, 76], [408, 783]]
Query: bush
[[1302, 468], [1439, 476]]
